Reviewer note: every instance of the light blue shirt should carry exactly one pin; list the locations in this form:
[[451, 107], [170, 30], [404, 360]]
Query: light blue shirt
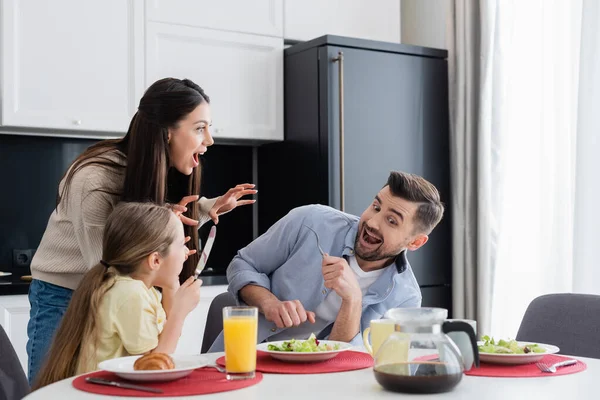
[[287, 261]]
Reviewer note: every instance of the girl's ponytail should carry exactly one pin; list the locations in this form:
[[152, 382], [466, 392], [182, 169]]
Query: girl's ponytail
[[77, 327]]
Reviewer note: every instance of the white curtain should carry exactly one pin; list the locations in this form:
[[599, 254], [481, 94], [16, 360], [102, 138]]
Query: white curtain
[[586, 271], [543, 123], [525, 102], [471, 161]]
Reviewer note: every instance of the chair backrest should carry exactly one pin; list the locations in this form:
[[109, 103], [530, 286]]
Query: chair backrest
[[567, 320], [13, 382], [214, 319]]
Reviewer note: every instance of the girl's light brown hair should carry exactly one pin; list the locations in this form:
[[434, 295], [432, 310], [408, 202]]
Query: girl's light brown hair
[[133, 232]]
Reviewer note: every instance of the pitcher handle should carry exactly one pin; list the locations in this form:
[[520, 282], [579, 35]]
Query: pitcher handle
[[366, 340], [460, 326]]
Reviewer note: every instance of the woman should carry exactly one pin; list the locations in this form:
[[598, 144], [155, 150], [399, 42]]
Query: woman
[[156, 161]]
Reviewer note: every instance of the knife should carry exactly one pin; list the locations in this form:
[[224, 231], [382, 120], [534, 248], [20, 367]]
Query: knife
[[101, 381], [206, 251]]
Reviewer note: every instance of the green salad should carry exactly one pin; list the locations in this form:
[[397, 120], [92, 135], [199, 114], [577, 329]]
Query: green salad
[[311, 345], [508, 347]]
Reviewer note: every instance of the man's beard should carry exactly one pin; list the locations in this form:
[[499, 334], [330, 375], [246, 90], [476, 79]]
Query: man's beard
[[375, 255]]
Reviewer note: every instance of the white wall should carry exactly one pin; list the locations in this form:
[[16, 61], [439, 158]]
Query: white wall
[[423, 22], [365, 19]]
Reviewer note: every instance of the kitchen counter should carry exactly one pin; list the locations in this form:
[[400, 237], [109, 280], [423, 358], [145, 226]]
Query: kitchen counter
[[213, 280], [13, 285]]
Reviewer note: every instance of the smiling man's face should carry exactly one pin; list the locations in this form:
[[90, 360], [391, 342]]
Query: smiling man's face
[[387, 228]]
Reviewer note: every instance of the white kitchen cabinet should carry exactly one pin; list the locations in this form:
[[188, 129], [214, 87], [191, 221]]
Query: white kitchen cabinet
[[364, 19], [261, 17], [14, 316], [241, 73], [71, 64], [190, 341]]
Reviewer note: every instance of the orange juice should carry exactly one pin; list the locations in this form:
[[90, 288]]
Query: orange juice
[[240, 343]]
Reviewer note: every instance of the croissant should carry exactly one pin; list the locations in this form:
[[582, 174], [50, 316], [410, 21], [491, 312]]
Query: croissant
[[154, 361]]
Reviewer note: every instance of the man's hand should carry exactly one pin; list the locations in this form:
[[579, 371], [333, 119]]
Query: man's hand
[[339, 277], [286, 314]]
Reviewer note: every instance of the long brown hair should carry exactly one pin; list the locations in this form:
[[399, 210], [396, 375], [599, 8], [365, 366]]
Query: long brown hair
[[133, 231], [147, 174]]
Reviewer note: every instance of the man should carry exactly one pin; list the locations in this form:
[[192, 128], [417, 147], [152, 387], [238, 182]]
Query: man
[[363, 273]]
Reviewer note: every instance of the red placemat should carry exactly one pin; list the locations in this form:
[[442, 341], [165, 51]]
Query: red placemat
[[201, 381], [346, 361], [527, 370]]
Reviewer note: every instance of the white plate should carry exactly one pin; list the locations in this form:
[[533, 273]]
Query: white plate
[[298, 357], [516, 359], [5, 273], [184, 365]]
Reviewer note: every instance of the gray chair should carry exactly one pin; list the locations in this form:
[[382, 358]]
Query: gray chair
[[214, 319], [567, 320], [13, 382]]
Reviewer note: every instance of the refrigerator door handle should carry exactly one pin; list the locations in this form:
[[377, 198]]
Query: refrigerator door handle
[[340, 60]]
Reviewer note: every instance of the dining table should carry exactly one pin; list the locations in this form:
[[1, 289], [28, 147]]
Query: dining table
[[361, 385]]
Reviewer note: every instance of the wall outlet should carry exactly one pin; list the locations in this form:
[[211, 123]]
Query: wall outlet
[[22, 257]]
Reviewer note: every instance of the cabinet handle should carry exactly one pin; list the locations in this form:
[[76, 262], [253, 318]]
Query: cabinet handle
[[218, 130], [77, 122], [340, 60]]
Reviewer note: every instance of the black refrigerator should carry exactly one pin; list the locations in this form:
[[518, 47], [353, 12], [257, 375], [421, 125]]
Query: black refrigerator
[[355, 110]]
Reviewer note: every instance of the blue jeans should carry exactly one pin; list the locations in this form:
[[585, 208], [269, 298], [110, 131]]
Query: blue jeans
[[48, 305]]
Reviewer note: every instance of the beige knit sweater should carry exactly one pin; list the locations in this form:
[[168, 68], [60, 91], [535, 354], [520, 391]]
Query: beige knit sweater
[[72, 242]]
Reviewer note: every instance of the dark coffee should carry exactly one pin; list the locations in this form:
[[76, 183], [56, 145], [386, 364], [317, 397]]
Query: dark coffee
[[418, 377]]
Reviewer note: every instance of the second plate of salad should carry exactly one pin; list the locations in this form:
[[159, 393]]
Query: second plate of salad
[[513, 352], [304, 351]]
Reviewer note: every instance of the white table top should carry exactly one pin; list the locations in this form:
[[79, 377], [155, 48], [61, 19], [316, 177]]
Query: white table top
[[361, 385]]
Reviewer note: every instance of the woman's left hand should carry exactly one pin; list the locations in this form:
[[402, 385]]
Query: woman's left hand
[[231, 200], [180, 208]]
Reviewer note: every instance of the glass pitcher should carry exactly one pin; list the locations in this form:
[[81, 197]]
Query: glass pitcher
[[419, 357]]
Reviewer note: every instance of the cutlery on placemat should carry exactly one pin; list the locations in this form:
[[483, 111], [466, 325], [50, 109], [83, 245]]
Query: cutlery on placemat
[[106, 382], [552, 368], [217, 367]]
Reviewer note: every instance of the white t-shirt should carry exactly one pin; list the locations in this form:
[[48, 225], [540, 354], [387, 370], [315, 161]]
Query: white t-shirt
[[327, 311]]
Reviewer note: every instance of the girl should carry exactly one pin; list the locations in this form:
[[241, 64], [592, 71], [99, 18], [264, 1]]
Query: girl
[[115, 311], [157, 161]]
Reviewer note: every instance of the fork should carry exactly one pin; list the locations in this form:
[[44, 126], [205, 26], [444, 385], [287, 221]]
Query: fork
[[552, 368], [317, 235], [217, 367]]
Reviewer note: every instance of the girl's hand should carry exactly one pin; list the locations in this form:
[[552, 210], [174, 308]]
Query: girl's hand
[[231, 200], [187, 297], [189, 252]]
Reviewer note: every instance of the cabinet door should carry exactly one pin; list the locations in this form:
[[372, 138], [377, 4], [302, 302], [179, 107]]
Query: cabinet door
[[70, 64], [241, 73], [364, 19], [262, 17], [437, 296], [14, 315], [192, 334]]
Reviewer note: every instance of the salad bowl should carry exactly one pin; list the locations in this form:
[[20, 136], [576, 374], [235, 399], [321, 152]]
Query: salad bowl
[[512, 352], [304, 351]]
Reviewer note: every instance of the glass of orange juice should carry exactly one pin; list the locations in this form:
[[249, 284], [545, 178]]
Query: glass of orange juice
[[240, 325]]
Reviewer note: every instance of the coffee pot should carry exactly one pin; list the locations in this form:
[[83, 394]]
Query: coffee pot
[[418, 357]]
